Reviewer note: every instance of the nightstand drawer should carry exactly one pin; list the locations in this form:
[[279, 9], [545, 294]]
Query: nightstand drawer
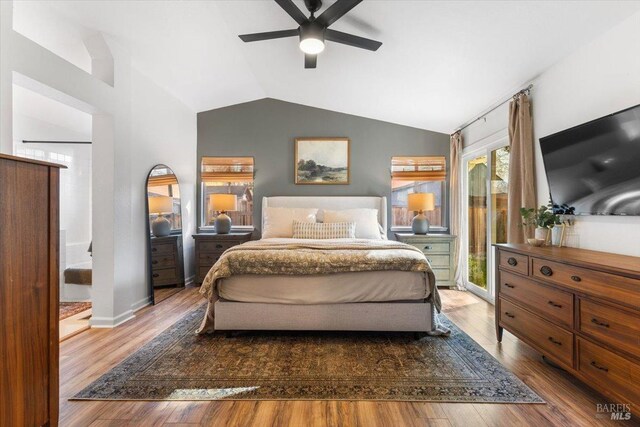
[[438, 260], [218, 246], [163, 248], [442, 274], [165, 276], [433, 247], [163, 261], [209, 258]]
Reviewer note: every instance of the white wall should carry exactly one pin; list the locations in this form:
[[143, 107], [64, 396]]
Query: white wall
[[132, 119], [600, 78]]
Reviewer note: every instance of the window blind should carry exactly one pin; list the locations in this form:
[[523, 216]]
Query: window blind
[[419, 168], [227, 169]]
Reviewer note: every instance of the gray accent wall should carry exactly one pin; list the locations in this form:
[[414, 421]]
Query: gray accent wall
[[265, 130]]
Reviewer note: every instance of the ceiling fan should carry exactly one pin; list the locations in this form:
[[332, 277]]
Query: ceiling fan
[[313, 32]]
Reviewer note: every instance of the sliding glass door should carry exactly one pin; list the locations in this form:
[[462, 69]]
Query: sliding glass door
[[485, 183]]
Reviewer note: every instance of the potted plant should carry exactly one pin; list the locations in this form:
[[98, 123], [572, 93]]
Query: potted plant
[[542, 218]]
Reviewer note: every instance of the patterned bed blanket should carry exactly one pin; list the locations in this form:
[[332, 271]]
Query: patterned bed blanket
[[307, 257]]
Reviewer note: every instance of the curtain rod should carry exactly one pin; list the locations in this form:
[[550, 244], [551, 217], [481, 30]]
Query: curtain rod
[[483, 115]]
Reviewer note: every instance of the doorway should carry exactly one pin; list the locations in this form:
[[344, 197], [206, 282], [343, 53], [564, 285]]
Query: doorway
[[485, 172]]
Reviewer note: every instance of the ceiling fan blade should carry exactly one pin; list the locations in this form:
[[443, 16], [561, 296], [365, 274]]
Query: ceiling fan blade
[[336, 11], [310, 61], [292, 10], [268, 35], [351, 40]]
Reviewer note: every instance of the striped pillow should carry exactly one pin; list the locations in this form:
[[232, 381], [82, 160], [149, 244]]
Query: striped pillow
[[324, 230]]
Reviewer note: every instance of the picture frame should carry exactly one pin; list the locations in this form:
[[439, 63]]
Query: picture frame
[[322, 161]]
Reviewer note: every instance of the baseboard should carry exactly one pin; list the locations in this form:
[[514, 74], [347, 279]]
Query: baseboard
[[111, 322], [190, 281], [141, 304]]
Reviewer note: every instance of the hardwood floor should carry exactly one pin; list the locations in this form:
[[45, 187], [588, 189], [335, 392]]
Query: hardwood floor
[[90, 354]]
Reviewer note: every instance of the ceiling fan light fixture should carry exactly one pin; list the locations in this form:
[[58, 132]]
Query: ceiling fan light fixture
[[312, 46]]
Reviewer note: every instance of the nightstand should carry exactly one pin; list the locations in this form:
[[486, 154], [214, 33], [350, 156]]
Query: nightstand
[[439, 250], [167, 267], [209, 247]]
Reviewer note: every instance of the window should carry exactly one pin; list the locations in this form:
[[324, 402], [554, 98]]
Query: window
[[228, 175], [418, 175]]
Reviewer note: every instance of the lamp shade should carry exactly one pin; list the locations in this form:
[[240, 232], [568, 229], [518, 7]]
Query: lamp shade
[[223, 202], [421, 202], [160, 204]]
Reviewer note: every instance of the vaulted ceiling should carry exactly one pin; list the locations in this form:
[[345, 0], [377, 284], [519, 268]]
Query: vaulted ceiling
[[441, 62]]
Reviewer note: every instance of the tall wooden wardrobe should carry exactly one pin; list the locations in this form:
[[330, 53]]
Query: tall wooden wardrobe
[[29, 235]]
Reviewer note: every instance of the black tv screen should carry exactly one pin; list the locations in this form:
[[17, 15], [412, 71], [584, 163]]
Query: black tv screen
[[595, 167]]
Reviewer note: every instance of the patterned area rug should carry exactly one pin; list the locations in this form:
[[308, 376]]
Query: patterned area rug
[[179, 365], [68, 309]]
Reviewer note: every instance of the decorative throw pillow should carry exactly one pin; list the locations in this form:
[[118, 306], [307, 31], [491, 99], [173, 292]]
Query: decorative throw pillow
[[324, 230], [366, 220], [278, 222]]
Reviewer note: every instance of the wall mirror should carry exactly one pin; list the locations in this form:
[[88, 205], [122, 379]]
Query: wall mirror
[[164, 233]]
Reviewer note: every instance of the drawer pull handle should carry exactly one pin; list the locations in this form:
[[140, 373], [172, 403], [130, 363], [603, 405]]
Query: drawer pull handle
[[595, 365], [576, 278], [506, 313], [512, 261], [599, 323], [218, 246], [555, 305], [154, 249], [554, 341], [428, 247], [155, 261], [509, 286], [156, 275], [546, 270]]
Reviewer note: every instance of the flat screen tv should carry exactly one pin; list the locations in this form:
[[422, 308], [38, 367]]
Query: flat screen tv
[[595, 167]]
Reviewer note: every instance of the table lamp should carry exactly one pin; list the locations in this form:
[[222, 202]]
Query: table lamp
[[420, 202], [223, 203], [160, 205]]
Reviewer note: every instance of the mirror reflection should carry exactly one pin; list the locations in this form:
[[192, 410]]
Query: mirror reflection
[[164, 231]]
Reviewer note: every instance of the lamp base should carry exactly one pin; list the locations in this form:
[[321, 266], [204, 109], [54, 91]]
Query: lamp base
[[160, 227], [222, 224], [420, 224]]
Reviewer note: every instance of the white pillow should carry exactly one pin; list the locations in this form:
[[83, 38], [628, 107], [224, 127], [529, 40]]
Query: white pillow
[[324, 230], [278, 222], [366, 220]]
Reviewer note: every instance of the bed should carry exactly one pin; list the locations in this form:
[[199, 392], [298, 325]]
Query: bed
[[334, 284]]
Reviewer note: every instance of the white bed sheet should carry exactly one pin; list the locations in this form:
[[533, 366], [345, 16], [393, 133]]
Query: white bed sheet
[[366, 286]]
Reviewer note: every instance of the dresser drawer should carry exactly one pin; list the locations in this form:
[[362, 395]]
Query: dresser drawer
[[514, 262], [552, 304], [163, 261], [165, 276], [161, 248], [619, 328], [208, 258], [550, 339], [618, 288], [438, 260], [217, 246], [609, 371]]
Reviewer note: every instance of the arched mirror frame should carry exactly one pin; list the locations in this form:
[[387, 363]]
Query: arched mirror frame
[[149, 235]]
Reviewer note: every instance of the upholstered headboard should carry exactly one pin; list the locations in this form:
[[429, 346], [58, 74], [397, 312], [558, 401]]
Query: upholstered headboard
[[329, 202]]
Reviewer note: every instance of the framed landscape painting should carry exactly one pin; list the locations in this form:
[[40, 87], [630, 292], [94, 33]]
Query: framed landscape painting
[[321, 161]]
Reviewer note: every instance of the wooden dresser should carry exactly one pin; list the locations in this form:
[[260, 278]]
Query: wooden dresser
[[439, 250], [579, 308], [29, 265], [167, 266], [209, 247]]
